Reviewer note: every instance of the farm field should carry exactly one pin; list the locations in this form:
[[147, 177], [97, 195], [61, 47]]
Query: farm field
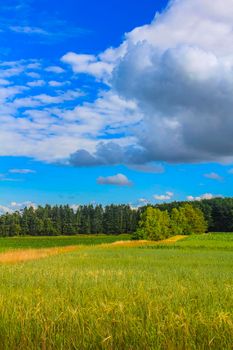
[[119, 296]]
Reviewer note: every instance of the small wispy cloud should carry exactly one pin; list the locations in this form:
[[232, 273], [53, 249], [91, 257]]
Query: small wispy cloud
[[4, 210], [44, 28], [28, 30], [33, 75], [4, 178], [4, 82], [54, 83], [203, 196], [16, 206], [55, 69], [213, 176], [143, 201], [22, 171], [164, 197], [148, 168], [22, 205], [117, 180], [36, 83]]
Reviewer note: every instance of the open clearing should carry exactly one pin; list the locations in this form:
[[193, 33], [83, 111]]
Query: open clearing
[[153, 296]]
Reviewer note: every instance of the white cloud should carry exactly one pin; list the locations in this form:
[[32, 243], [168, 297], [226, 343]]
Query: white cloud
[[203, 196], [148, 168], [18, 206], [213, 176], [55, 69], [28, 30], [37, 83], [55, 83], [11, 69], [118, 180], [88, 64], [33, 75], [4, 210], [4, 82], [178, 70], [22, 171], [9, 92], [45, 99], [34, 65], [5, 178], [164, 197], [69, 95], [169, 98], [143, 201], [75, 207]]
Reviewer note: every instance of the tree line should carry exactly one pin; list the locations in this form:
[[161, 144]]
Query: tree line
[[64, 220], [112, 219], [218, 212]]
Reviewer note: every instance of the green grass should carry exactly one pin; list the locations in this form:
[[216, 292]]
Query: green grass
[[214, 241], [121, 298], [57, 241]]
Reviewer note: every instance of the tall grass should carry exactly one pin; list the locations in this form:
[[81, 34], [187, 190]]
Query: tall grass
[[30, 242], [119, 298], [217, 241], [22, 255]]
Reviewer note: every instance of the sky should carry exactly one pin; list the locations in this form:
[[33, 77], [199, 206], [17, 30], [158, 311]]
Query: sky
[[115, 101]]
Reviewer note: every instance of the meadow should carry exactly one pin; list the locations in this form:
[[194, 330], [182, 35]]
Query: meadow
[[29, 242], [118, 296], [213, 241]]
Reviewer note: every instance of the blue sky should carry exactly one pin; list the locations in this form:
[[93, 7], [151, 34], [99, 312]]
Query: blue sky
[[115, 101]]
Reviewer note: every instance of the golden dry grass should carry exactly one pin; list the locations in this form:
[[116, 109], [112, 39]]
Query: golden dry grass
[[16, 256], [22, 255], [140, 243]]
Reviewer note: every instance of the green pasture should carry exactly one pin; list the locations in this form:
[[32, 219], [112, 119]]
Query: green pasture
[[121, 298], [210, 241], [29, 242]]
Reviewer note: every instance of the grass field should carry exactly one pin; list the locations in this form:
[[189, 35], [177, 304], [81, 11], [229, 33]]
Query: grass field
[[29, 242], [214, 241], [120, 297]]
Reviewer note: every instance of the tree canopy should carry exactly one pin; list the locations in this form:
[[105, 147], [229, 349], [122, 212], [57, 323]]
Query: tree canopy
[[116, 219], [156, 224], [63, 220]]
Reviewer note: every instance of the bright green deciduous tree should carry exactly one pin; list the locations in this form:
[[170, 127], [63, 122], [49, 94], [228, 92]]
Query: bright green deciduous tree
[[178, 221], [154, 225], [194, 221], [187, 220]]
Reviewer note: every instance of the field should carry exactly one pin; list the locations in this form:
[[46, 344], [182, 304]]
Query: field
[[175, 295], [57, 241]]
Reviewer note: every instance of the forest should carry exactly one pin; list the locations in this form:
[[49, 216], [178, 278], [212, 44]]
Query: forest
[[64, 220], [111, 219]]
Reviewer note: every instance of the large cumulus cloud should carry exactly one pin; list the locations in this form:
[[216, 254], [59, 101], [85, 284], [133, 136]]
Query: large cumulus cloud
[[178, 70], [109, 153], [186, 95]]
